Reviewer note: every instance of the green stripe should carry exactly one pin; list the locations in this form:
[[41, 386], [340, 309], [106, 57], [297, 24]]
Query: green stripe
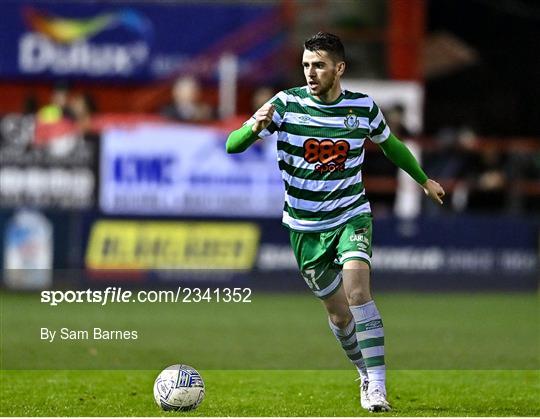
[[352, 190], [290, 149], [379, 129], [299, 151], [371, 342], [374, 361], [298, 92], [356, 357], [300, 214], [323, 132], [279, 106], [311, 174], [302, 92], [353, 95], [374, 112], [351, 346], [272, 127], [344, 111]]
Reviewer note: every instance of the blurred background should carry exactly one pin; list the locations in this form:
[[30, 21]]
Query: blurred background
[[114, 117]]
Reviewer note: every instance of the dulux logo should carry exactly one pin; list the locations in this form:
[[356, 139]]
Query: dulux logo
[[60, 45], [151, 170]]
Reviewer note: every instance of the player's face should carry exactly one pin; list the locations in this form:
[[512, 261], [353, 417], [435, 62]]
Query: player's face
[[322, 73]]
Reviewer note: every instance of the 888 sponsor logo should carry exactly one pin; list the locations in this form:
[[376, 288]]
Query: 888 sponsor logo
[[329, 155]]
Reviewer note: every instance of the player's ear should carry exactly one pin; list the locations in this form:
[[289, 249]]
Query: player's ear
[[340, 68]]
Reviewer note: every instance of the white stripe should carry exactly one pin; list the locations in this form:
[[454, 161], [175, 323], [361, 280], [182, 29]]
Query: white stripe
[[321, 121], [357, 254], [321, 185], [316, 206], [281, 96], [368, 334], [314, 225], [377, 139], [373, 351], [299, 140], [328, 290], [265, 134], [301, 163], [313, 121], [276, 117], [375, 123]]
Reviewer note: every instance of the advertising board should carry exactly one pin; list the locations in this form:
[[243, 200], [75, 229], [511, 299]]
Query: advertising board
[[58, 174], [159, 169], [448, 253], [155, 245], [141, 40]]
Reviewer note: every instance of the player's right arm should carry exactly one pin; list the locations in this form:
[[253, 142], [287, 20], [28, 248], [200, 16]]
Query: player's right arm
[[240, 139]]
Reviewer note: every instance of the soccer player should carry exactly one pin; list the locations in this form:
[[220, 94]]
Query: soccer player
[[321, 130]]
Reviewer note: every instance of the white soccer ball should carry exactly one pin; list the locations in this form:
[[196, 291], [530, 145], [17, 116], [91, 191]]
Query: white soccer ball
[[179, 387]]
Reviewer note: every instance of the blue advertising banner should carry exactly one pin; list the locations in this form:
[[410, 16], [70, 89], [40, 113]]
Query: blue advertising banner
[[183, 170], [434, 253], [135, 40]]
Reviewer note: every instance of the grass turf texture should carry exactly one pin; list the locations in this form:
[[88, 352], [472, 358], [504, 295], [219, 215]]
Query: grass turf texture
[[272, 393], [290, 362]]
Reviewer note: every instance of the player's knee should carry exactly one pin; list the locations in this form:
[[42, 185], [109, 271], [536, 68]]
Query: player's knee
[[340, 320], [358, 296]]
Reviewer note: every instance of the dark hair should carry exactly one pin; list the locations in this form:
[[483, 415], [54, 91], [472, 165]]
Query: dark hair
[[328, 42]]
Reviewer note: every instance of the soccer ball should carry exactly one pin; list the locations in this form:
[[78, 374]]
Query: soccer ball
[[179, 387]]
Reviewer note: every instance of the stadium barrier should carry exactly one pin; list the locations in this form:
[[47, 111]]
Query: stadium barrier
[[443, 253]]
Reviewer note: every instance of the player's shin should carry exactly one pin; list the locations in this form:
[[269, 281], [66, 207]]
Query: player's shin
[[347, 340], [370, 336]]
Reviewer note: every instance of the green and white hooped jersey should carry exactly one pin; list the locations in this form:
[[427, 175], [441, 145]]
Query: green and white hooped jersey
[[320, 155]]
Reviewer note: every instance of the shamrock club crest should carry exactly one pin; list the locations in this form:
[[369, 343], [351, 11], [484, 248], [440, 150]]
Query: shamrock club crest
[[351, 121]]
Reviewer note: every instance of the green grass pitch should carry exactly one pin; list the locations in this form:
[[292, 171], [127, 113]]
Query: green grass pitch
[[272, 393], [447, 355]]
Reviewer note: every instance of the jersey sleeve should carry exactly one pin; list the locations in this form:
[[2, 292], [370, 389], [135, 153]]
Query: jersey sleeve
[[378, 129], [279, 101]]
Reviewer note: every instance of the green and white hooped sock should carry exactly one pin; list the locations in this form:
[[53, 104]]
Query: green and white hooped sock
[[347, 339], [370, 336]]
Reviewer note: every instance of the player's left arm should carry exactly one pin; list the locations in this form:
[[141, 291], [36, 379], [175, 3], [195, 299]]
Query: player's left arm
[[402, 157]]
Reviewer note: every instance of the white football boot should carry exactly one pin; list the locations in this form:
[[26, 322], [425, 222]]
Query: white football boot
[[364, 400], [377, 399]]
